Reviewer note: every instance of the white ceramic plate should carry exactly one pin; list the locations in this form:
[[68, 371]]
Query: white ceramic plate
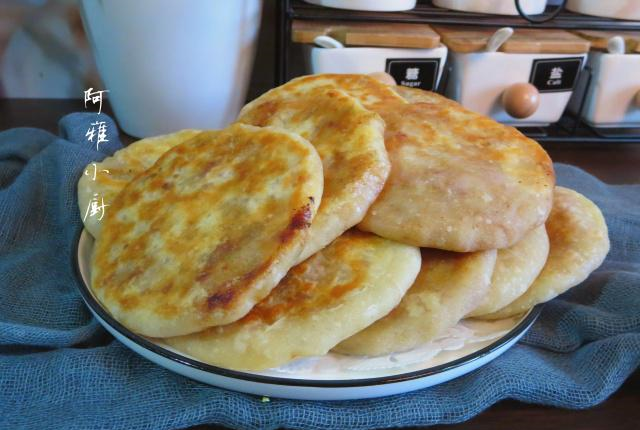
[[463, 349]]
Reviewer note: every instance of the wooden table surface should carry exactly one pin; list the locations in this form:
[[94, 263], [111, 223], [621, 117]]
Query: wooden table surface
[[612, 163]]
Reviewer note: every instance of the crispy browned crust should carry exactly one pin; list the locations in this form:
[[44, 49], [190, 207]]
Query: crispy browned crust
[[335, 293], [348, 138], [208, 231], [459, 181]]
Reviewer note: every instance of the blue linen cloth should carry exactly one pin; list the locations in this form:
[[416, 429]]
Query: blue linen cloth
[[60, 370]]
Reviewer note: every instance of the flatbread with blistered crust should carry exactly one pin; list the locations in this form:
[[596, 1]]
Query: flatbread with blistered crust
[[459, 181], [103, 180], [372, 93], [578, 244], [516, 269], [208, 231], [448, 286], [332, 295], [349, 139]]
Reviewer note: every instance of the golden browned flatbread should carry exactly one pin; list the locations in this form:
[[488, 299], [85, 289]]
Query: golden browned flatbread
[[459, 181], [337, 292], [105, 179], [579, 242], [516, 269], [207, 231], [350, 141], [448, 287], [372, 93]]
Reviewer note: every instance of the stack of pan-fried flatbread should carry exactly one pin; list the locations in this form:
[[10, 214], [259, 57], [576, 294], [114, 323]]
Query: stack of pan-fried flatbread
[[338, 213]]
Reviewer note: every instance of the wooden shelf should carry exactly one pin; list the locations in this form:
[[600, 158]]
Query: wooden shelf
[[564, 132]]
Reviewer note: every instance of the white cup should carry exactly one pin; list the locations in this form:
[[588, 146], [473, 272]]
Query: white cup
[[171, 65]]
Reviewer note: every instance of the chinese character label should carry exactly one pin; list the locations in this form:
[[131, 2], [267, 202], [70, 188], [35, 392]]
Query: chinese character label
[[101, 133], [95, 171], [555, 74], [414, 72], [98, 132], [94, 97], [95, 207]]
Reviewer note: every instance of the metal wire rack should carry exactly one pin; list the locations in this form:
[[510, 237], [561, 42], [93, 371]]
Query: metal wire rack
[[571, 127]]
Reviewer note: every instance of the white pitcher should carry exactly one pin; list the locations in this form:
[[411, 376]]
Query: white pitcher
[[172, 65]]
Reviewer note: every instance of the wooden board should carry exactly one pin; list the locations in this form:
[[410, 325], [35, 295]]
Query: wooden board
[[473, 39], [396, 35], [600, 39]]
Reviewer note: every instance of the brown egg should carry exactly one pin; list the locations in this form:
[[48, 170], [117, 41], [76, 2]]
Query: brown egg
[[383, 77], [521, 100]]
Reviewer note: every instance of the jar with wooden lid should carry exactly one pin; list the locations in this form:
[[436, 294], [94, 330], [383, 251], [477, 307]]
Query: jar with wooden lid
[[613, 96], [411, 53], [522, 77]]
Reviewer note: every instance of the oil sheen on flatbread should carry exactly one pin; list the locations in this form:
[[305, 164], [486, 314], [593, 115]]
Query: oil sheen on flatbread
[[105, 179], [349, 139], [337, 292], [578, 244], [207, 231], [516, 269], [448, 286], [459, 181]]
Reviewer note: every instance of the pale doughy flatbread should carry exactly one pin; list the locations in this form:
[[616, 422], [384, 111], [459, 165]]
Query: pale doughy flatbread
[[337, 292], [208, 231], [516, 269], [350, 141], [105, 179], [447, 288], [459, 181], [579, 242]]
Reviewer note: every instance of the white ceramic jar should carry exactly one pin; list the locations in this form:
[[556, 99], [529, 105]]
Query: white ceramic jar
[[369, 5], [619, 9], [522, 78], [479, 81], [613, 98], [421, 68], [498, 7]]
